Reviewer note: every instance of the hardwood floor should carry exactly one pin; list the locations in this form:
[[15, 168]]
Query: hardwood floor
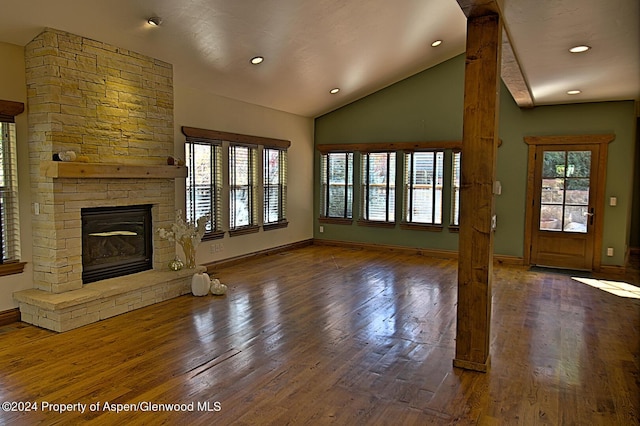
[[326, 335]]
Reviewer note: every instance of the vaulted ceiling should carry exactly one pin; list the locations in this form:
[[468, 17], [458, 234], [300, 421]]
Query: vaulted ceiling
[[359, 46]]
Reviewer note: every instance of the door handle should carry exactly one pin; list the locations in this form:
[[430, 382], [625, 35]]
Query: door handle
[[590, 213]]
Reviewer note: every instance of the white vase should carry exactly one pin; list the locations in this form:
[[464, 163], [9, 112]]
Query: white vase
[[200, 284]]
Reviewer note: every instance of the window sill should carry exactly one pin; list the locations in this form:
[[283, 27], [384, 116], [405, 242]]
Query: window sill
[[454, 228], [336, 220], [213, 236], [421, 227], [375, 224], [12, 268], [277, 225], [251, 229]]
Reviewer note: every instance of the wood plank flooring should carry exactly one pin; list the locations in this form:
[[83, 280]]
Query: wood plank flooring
[[325, 335]]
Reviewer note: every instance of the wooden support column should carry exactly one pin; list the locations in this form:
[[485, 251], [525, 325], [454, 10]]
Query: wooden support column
[[479, 146]]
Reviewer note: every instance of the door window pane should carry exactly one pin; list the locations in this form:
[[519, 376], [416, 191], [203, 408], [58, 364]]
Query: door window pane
[[575, 219], [551, 218], [577, 191], [564, 197], [552, 191], [579, 164], [553, 164]]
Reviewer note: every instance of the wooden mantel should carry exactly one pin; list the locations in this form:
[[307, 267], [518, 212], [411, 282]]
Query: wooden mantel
[[60, 169]]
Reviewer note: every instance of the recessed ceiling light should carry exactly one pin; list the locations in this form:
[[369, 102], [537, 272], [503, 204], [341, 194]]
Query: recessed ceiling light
[[436, 43], [574, 92], [154, 21], [257, 60], [334, 91], [579, 49]]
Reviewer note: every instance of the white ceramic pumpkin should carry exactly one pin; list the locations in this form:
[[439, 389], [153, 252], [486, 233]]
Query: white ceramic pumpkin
[[200, 284]]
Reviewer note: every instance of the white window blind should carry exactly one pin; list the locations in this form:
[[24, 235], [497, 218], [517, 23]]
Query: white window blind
[[455, 189], [336, 175], [423, 177], [204, 183], [9, 214], [242, 186], [274, 176], [378, 186]]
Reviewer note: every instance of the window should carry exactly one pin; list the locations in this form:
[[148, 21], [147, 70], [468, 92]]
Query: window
[[431, 181], [209, 181], [455, 189], [336, 175], [274, 176], [9, 219], [204, 184], [378, 186], [565, 190], [423, 177], [242, 188]]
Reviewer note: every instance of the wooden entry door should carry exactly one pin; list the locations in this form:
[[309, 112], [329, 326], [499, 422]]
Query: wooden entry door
[[565, 196]]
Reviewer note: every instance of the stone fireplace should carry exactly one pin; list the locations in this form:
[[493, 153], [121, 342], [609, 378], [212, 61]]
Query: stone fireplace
[[114, 109]]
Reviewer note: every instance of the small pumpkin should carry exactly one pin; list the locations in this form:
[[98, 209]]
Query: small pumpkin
[[200, 284], [176, 264], [217, 288]]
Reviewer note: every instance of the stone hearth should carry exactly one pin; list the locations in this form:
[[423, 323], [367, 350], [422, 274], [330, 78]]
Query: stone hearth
[[114, 108], [102, 299]]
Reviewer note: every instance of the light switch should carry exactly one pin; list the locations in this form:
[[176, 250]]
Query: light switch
[[497, 188], [613, 201]]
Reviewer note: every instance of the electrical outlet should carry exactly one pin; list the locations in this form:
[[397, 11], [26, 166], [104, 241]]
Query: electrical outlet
[[609, 251], [321, 229], [216, 247]]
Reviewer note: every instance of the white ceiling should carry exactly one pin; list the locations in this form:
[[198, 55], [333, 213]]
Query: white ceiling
[[360, 46]]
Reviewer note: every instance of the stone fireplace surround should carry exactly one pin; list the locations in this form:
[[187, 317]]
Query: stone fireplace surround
[[114, 108]]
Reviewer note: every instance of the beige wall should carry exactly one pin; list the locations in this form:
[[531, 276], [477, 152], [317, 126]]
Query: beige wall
[[195, 108], [13, 88]]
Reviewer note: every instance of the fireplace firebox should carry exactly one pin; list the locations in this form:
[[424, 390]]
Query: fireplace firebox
[[116, 241]]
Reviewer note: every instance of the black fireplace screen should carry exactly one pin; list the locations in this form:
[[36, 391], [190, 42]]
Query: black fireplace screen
[[116, 241]]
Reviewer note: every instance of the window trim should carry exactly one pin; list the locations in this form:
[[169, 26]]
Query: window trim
[[216, 215], [455, 227], [361, 148], [8, 111], [235, 137], [252, 186], [338, 220], [364, 190], [228, 138], [282, 221], [408, 186]]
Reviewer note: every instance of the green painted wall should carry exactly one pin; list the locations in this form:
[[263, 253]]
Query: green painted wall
[[428, 107]]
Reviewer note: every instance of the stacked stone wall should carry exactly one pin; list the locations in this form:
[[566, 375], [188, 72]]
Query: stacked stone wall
[[109, 105]]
